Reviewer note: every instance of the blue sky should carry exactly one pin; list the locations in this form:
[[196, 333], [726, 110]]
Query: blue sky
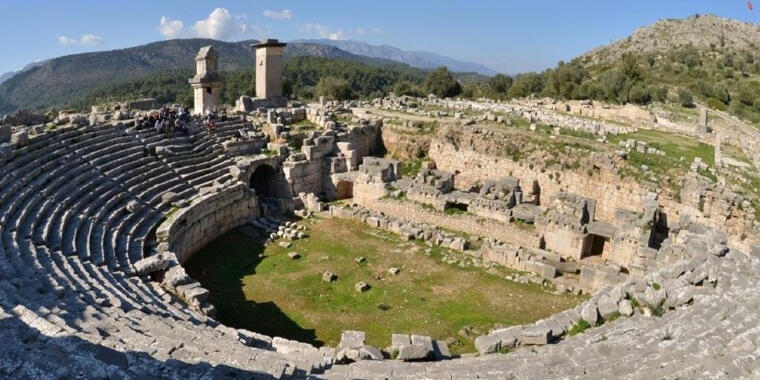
[[509, 36]]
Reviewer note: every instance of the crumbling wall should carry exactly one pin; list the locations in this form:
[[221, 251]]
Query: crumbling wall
[[473, 167]]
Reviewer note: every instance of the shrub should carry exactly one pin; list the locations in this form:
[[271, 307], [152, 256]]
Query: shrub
[[442, 84], [685, 98], [334, 88], [406, 88]]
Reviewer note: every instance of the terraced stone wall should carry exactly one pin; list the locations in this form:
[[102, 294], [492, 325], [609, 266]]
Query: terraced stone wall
[[207, 217], [474, 166]]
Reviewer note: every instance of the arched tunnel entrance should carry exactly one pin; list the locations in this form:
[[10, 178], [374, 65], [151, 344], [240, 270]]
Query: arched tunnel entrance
[[264, 181]]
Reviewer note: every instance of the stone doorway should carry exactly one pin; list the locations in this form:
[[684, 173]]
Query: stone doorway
[[344, 189], [595, 245]]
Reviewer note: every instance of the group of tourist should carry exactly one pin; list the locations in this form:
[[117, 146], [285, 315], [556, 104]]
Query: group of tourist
[[166, 121], [211, 116]]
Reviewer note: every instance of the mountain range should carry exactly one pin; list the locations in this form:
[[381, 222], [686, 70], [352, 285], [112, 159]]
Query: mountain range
[[419, 59], [50, 83]]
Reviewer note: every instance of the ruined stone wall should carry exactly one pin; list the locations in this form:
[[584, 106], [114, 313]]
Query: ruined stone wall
[[405, 146], [609, 191], [209, 216], [365, 139], [305, 176], [466, 223]]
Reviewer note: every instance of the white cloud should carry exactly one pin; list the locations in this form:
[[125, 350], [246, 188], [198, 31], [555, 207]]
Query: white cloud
[[85, 39], [285, 14], [63, 40], [322, 32], [91, 39], [220, 24], [378, 30], [171, 28], [361, 31]]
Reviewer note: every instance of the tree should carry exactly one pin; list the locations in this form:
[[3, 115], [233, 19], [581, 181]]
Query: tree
[[500, 83], [334, 88], [407, 88], [640, 94], [525, 85], [442, 84], [685, 98], [722, 93]]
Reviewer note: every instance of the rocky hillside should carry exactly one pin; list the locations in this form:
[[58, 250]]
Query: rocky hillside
[[703, 32], [58, 81]]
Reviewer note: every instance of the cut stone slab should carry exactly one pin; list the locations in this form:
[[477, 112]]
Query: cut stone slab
[[398, 340], [360, 260], [536, 336], [394, 271], [351, 340], [154, 263], [487, 344], [423, 340], [413, 352], [329, 277], [361, 287], [284, 244], [294, 255], [607, 306]]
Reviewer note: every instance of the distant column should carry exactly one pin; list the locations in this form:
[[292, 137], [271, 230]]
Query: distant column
[[269, 65], [718, 153], [206, 81], [703, 122]]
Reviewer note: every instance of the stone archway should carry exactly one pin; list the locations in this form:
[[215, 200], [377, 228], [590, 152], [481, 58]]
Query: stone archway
[[265, 182]]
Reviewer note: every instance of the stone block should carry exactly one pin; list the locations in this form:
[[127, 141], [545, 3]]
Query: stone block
[[329, 277], [536, 336], [351, 340], [398, 340], [20, 138], [590, 313], [625, 308], [413, 352], [607, 306], [487, 344], [362, 287]]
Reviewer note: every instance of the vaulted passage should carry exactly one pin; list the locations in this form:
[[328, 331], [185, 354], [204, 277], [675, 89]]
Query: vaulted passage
[[265, 181]]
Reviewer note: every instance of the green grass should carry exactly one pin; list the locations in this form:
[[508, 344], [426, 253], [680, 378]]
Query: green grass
[[410, 168], [674, 145], [263, 290], [579, 327]]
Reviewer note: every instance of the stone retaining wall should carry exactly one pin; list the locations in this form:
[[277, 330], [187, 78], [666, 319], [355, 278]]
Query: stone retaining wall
[[466, 223], [606, 188], [209, 216]]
